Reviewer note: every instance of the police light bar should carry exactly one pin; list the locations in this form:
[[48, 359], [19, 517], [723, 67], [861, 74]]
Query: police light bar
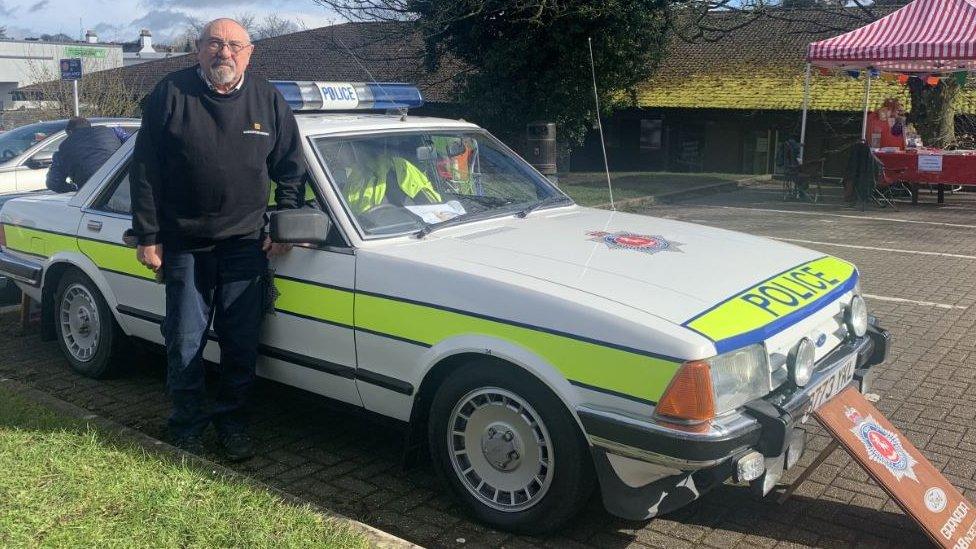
[[346, 96]]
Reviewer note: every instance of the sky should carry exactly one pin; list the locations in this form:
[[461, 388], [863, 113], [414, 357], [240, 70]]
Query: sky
[[120, 20]]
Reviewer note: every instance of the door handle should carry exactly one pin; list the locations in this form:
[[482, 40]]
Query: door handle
[[94, 226]]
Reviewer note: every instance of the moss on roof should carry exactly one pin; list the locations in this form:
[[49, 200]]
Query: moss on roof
[[778, 90]]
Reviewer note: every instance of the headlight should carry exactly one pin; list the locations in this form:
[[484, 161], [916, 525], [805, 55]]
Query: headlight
[[739, 376], [856, 316], [801, 362]]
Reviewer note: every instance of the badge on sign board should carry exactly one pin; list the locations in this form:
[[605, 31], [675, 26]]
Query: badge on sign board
[[882, 445]]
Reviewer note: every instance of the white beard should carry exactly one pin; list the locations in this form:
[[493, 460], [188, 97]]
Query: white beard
[[221, 75]]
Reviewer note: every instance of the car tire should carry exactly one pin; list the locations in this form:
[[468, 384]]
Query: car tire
[[500, 409], [86, 331]]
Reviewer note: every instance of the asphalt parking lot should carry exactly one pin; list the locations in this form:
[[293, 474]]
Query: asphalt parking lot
[[918, 267]]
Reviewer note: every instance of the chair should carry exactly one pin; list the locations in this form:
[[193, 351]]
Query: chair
[[879, 196], [799, 180]]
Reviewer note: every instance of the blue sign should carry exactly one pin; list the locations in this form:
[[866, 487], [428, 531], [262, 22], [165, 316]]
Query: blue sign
[[71, 69]]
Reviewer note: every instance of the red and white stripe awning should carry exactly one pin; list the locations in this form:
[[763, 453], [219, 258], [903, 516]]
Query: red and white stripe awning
[[924, 36]]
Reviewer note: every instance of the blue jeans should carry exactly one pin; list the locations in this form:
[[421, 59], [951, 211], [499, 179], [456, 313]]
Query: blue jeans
[[226, 283]]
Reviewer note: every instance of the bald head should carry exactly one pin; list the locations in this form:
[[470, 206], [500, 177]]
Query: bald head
[[224, 26], [224, 51]]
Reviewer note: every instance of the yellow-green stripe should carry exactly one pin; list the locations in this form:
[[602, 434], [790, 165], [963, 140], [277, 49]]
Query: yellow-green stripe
[[604, 367]]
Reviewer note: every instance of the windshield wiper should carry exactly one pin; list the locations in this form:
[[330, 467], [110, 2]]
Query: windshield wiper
[[554, 199], [431, 227]]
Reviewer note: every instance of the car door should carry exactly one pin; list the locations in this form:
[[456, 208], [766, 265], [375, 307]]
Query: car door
[[31, 175], [308, 339], [104, 222]]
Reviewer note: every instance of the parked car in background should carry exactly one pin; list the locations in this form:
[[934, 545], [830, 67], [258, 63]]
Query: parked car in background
[[26, 152]]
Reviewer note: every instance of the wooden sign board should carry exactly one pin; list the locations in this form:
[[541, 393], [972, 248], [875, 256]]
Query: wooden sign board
[[898, 467]]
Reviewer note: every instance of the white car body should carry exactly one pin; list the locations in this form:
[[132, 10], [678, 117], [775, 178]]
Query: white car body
[[602, 326]]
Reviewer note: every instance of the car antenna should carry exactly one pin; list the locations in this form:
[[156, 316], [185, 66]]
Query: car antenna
[[599, 124], [401, 110]]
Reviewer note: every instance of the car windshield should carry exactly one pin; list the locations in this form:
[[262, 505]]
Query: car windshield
[[397, 183], [16, 141]]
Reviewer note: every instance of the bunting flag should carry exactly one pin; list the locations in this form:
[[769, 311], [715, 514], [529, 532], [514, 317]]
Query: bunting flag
[[933, 80], [903, 79], [823, 71], [889, 77], [854, 74], [961, 78], [874, 73]]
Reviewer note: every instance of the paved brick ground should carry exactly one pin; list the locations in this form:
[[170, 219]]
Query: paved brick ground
[[352, 465]]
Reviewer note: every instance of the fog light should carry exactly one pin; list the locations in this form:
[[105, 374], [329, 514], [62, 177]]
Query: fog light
[[750, 467], [801, 361], [856, 316]]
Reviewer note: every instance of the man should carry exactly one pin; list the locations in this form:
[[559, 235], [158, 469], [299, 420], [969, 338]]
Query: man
[[380, 174], [80, 155], [212, 140]]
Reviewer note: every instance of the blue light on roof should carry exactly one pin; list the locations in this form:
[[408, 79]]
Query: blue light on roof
[[345, 96]]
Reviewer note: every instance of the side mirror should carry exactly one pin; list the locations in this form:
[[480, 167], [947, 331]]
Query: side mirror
[[40, 160], [301, 226]]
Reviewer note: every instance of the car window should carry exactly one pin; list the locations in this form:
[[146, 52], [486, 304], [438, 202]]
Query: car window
[[396, 183], [116, 197], [119, 201], [16, 141], [51, 147]]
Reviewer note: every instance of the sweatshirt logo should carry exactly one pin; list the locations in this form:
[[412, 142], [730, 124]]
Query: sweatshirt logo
[[256, 130]]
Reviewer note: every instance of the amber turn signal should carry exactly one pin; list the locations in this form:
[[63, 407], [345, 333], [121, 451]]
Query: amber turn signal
[[689, 396]]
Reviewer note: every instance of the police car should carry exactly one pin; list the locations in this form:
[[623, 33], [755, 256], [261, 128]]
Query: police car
[[539, 349]]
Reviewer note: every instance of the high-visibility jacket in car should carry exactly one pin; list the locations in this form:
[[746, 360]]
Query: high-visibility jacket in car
[[366, 184]]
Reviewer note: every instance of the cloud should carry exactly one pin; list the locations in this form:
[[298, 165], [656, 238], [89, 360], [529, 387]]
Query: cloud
[[38, 6], [5, 11], [164, 24]]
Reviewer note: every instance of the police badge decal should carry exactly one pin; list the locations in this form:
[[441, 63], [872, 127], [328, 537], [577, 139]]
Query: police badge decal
[[623, 240], [882, 445]]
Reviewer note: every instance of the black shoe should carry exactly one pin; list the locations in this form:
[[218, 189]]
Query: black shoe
[[237, 446], [192, 444]]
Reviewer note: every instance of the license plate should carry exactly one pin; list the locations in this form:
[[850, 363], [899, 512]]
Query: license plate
[[832, 385]]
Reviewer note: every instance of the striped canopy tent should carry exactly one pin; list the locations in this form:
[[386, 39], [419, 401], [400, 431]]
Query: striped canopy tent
[[924, 37]]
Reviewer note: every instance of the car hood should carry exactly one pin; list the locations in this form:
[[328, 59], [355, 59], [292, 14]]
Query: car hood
[[671, 269]]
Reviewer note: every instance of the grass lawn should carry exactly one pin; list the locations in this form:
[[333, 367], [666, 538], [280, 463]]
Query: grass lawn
[[590, 188], [64, 484]]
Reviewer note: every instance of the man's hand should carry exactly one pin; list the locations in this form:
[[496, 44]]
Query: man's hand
[[274, 249], [151, 256]]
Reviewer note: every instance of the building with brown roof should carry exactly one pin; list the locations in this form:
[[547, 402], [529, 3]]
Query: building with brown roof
[[721, 102]]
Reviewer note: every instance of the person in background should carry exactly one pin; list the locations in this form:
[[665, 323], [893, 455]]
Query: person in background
[[80, 155]]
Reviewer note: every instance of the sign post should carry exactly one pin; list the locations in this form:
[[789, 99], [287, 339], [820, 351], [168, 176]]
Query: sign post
[[900, 469], [71, 70]]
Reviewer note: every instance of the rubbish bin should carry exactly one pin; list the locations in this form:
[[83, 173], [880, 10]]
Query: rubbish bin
[[541, 145]]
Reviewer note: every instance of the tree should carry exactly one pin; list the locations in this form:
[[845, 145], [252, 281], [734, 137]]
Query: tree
[[3, 31], [933, 110], [59, 37], [528, 59], [103, 91], [274, 25]]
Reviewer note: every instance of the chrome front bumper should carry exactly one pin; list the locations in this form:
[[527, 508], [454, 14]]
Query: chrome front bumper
[[767, 425], [20, 269]]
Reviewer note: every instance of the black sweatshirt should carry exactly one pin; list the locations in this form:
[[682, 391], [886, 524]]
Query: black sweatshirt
[[204, 161]]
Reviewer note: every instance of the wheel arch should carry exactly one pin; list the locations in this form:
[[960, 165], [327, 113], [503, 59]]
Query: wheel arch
[[502, 353], [57, 266]]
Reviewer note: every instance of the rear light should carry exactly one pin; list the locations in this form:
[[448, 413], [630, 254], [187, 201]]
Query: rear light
[[689, 397]]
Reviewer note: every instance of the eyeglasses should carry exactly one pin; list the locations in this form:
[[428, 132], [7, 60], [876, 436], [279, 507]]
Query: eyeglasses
[[215, 46]]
